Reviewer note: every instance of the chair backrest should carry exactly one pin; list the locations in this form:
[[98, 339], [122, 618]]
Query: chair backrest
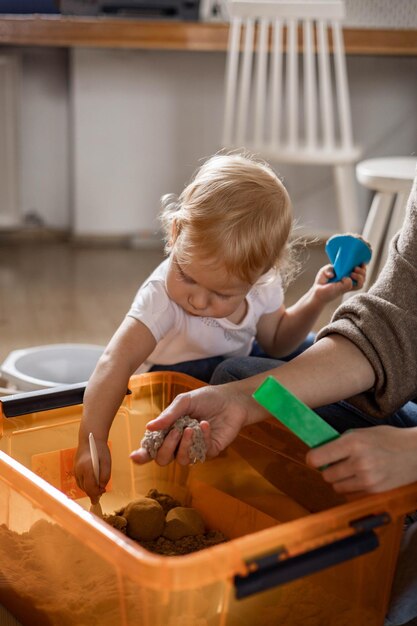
[[295, 111]]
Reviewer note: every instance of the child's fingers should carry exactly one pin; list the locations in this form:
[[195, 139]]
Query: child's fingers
[[89, 485], [358, 283], [328, 270], [325, 274], [360, 269], [329, 274], [346, 284], [358, 276], [105, 472]]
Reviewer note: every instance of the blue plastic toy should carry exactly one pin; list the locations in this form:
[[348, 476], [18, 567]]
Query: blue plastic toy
[[345, 253]]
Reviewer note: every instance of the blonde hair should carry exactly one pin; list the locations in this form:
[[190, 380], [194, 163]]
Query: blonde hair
[[236, 210]]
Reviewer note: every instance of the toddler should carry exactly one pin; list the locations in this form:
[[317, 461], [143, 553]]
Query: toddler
[[218, 294]]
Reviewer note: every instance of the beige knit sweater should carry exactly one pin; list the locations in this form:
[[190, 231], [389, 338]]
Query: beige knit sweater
[[383, 323]]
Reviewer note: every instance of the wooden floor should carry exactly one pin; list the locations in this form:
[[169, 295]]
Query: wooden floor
[[53, 292]]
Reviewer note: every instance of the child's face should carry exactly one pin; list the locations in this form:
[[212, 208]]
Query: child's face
[[204, 290]]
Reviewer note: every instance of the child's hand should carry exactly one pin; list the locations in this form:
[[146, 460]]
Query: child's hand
[[83, 469], [326, 292], [358, 277]]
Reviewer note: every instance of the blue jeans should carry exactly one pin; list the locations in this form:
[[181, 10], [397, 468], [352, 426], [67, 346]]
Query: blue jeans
[[203, 369], [403, 601], [200, 368]]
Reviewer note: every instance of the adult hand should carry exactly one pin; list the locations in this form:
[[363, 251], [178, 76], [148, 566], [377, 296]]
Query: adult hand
[[368, 459], [222, 411], [83, 469]]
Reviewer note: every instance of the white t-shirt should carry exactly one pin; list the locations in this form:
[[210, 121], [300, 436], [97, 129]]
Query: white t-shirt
[[183, 337]]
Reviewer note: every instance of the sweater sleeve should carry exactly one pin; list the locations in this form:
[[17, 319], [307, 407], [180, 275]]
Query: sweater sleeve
[[382, 323]]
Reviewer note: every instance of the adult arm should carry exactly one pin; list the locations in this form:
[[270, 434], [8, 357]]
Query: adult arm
[[328, 371], [383, 323]]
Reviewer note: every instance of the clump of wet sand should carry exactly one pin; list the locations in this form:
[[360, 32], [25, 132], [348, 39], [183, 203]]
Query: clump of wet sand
[[161, 524]]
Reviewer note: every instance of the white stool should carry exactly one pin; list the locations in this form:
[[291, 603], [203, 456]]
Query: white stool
[[391, 178]]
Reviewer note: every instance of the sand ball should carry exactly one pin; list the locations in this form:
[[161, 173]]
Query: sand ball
[[145, 519], [119, 522], [183, 522]]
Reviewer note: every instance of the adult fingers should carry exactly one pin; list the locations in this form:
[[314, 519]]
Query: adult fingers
[[140, 456], [328, 453], [340, 471], [206, 430], [168, 450], [344, 477], [179, 406], [182, 455], [352, 485]]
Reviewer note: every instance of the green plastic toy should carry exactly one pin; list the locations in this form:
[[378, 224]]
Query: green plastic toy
[[294, 414]]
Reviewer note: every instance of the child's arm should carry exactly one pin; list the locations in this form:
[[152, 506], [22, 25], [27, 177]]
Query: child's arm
[[129, 347], [281, 332]]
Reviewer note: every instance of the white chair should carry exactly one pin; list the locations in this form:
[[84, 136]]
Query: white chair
[[285, 110], [391, 179]]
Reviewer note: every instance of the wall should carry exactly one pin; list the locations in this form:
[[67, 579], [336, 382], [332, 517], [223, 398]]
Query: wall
[[9, 129], [141, 122], [43, 144], [381, 13], [144, 119]]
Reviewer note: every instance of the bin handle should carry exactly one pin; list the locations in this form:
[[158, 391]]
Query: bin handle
[[43, 400], [271, 571]]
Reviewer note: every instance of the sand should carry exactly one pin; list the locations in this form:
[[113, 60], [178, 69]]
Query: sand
[[153, 440], [160, 524]]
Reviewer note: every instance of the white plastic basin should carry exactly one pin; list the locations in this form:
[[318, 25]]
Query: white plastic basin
[[50, 365]]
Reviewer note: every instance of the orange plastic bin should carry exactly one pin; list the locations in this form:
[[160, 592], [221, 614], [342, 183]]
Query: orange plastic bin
[[297, 555]]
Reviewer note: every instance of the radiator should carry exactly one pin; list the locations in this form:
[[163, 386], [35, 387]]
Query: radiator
[[9, 162]]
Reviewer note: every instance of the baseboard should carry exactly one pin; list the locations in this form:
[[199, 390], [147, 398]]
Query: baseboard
[[124, 241], [28, 235]]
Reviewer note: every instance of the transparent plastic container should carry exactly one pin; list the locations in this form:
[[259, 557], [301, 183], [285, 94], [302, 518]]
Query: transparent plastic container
[[296, 554]]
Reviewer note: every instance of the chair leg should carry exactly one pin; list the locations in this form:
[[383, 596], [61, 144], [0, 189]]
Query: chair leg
[[374, 232], [347, 201]]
